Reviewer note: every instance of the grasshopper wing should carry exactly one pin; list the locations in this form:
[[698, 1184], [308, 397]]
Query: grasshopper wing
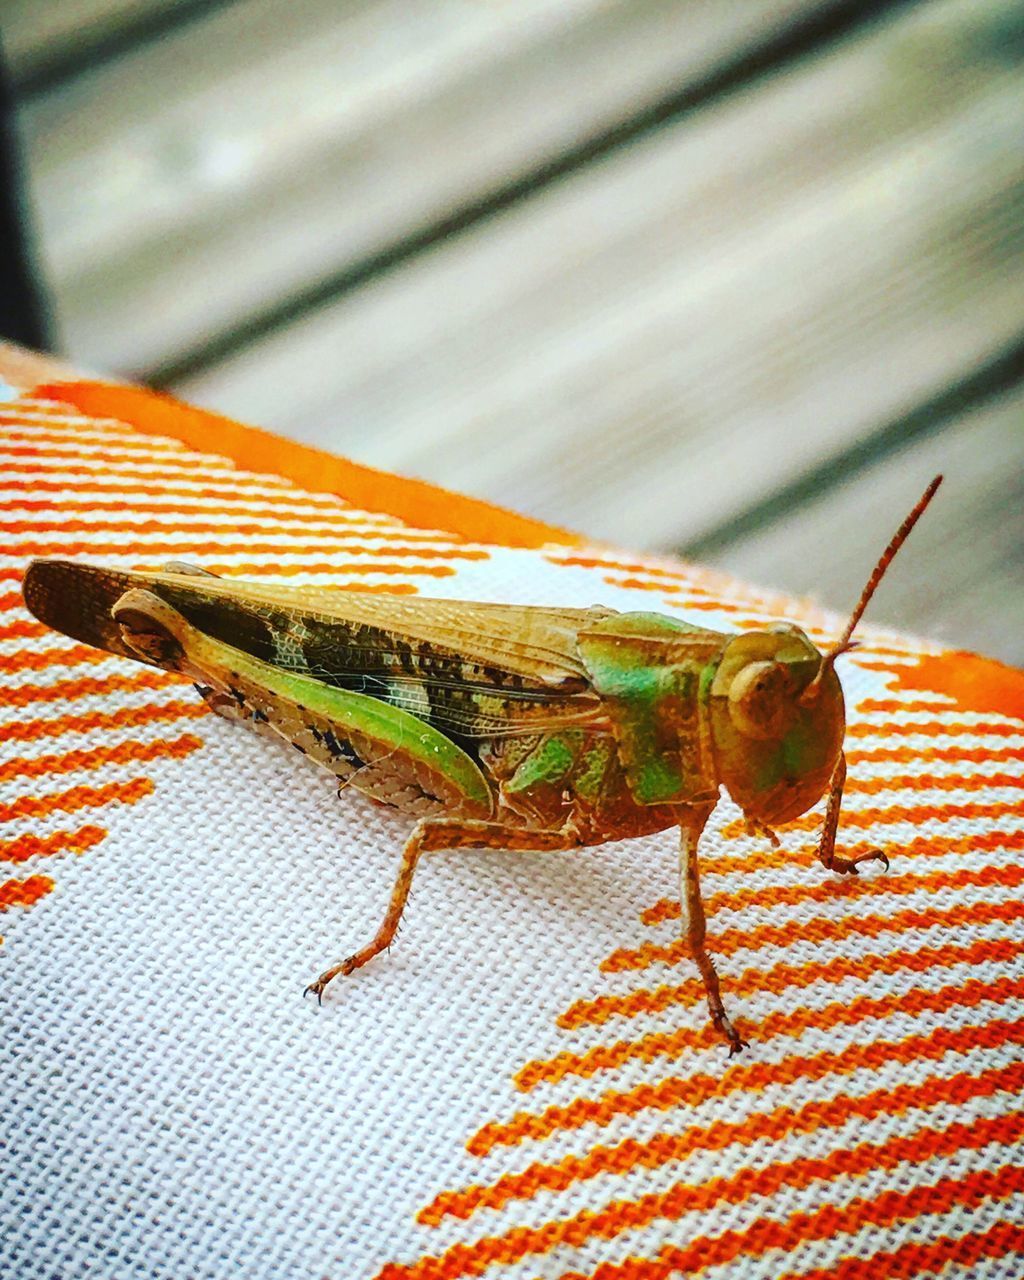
[[473, 670]]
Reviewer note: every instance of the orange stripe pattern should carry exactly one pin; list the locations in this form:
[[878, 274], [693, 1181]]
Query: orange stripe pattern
[[620, 1216], [663, 1148], [99, 757], [778, 979], [965, 1194], [941, 937], [695, 1089], [410, 501], [913, 1259], [25, 847], [24, 893], [102, 721], [106, 472], [76, 798], [83, 687], [886, 1012]]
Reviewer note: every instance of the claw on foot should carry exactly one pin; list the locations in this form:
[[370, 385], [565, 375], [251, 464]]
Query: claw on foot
[[728, 1032], [318, 985], [736, 1043], [848, 866]]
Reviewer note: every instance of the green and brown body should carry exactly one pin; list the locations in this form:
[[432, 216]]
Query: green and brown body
[[493, 725], [584, 720]]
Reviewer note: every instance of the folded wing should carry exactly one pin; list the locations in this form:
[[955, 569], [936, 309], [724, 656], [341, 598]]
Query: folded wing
[[474, 670]]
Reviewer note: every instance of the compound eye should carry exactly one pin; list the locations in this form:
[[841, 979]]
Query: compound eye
[[759, 699]]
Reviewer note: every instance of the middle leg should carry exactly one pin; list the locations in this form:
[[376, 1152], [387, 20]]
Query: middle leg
[[695, 926]]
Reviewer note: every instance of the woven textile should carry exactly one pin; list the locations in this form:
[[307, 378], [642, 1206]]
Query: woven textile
[[527, 1085]]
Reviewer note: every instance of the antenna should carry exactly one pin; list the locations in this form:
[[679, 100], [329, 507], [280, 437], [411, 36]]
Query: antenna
[[844, 643]]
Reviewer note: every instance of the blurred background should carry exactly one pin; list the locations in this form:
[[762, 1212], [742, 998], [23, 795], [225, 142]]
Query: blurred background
[[727, 278]]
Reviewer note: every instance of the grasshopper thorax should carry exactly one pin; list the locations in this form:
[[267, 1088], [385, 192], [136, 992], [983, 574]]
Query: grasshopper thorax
[[775, 750]]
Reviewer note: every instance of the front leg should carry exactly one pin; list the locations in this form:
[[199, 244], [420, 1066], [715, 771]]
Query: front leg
[[827, 855], [694, 924], [431, 835]]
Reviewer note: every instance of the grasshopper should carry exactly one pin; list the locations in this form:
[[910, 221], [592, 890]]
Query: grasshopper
[[499, 726]]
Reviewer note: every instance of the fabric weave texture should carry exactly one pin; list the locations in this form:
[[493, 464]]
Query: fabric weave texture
[[527, 1085]]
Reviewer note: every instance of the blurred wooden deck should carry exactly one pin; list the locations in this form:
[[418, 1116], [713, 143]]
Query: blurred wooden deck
[[715, 276]]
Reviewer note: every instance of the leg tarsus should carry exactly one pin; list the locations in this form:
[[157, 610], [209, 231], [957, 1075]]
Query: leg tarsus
[[848, 866], [736, 1043], [318, 985], [720, 1020]]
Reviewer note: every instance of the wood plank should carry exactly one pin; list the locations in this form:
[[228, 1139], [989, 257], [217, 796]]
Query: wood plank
[[650, 347], [960, 578], [196, 182], [37, 34]]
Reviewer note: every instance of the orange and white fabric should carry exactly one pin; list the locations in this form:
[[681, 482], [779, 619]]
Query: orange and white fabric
[[527, 1086]]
